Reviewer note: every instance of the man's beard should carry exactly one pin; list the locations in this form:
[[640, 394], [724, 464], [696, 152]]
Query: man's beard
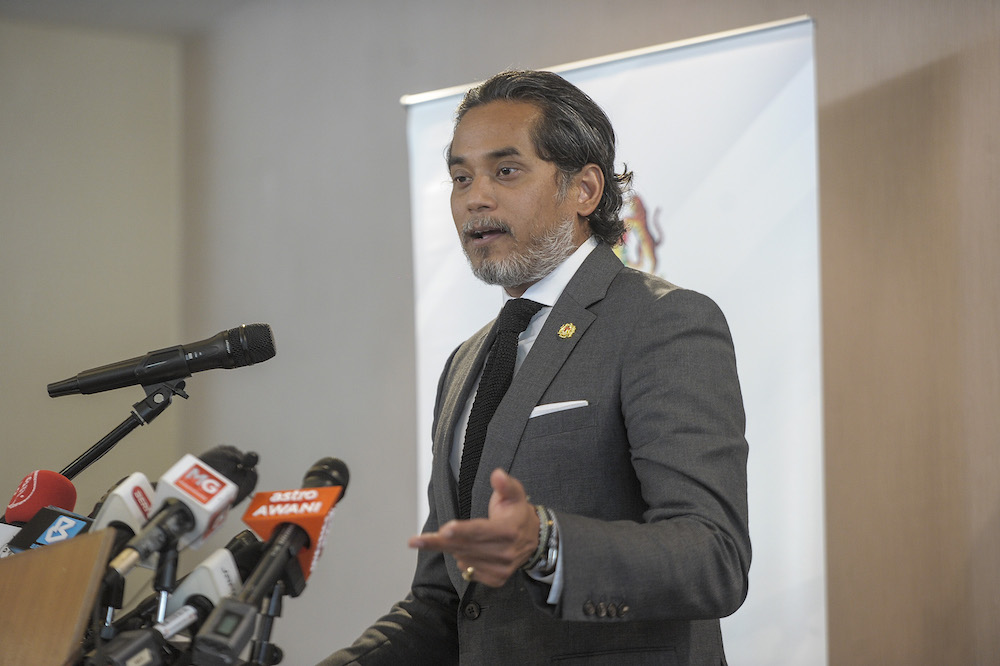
[[523, 265]]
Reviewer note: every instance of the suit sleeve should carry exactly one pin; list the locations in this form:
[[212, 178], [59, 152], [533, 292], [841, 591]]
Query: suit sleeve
[[689, 556], [421, 629]]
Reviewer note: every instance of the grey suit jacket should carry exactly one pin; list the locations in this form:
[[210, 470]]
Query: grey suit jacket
[[648, 483]]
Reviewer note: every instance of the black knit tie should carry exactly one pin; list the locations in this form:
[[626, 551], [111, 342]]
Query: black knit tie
[[493, 385]]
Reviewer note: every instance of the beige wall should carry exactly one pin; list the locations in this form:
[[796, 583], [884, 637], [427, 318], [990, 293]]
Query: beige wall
[[295, 212], [90, 242], [909, 188]]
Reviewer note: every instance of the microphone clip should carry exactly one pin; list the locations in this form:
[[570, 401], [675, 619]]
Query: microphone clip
[[158, 398]]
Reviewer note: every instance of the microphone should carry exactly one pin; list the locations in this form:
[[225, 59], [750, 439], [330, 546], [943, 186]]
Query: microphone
[[217, 577], [220, 574], [236, 466], [37, 490], [295, 524], [192, 499], [127, 506], [235, 348], [34, 515], [49, 525]]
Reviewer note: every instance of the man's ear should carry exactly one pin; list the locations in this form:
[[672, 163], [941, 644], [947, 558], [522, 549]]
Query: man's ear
[[591, 188]]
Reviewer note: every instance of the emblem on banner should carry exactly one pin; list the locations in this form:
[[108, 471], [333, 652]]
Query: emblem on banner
[[642, 236]]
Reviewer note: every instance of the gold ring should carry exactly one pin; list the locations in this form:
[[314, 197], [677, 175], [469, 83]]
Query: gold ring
[[468, 573]]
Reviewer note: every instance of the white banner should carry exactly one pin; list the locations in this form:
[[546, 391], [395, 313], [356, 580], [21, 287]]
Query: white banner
[[721, 134]]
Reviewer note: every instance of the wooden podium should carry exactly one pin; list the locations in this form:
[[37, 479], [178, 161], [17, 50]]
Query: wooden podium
[[47, 598]]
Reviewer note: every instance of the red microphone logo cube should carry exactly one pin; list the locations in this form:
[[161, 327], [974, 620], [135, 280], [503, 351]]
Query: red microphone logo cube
[[200, 483], [142, 501]]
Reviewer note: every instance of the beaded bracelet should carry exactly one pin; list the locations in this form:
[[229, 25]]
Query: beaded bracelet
[[547, 565], [544, 528]]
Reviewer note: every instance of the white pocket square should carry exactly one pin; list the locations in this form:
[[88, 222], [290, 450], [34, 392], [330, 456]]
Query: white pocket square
[[552, 407]]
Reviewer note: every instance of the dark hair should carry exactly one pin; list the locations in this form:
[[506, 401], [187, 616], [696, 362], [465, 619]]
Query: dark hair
[[573, 131]]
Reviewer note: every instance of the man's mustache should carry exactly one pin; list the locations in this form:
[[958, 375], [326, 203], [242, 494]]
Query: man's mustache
[[478, 226]]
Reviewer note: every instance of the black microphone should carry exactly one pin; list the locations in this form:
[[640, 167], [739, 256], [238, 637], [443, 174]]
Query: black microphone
[[298, 520], [297, 530], [215, 578], [243, 345]]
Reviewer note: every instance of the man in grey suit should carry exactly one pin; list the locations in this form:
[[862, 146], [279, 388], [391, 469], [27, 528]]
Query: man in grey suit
[[608, 515]]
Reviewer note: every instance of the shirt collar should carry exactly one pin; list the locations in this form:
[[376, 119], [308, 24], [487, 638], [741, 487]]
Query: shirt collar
[[548, 290]]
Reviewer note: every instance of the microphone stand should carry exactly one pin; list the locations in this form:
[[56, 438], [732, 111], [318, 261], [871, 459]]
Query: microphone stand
[[166, 577], [262, 651], [158, 398]]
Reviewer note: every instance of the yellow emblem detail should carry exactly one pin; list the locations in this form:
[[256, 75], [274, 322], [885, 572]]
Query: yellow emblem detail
[[567, 331]]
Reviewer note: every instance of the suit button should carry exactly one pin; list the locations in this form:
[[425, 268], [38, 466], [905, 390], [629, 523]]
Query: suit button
[[602, 609], [588, 608], [472, 610], [622, 610], [612, 610]]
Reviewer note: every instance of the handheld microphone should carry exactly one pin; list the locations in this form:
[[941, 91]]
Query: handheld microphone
[[37, 490], [295, 522], [49, 525], [235, 465], [220, 574], [34, 515], [192, 500], [127, 506], [235, 348], [217, 577]]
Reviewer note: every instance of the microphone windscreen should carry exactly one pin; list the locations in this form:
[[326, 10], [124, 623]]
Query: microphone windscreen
[[38, 490], [250, 343], [236, 466], [247, 550], [327, 472]]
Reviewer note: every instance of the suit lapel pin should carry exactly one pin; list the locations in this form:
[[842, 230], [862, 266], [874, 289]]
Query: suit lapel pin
[[567, 331]]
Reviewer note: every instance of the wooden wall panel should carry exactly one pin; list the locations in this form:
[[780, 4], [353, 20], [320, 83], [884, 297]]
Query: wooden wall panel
[[911, 286]]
